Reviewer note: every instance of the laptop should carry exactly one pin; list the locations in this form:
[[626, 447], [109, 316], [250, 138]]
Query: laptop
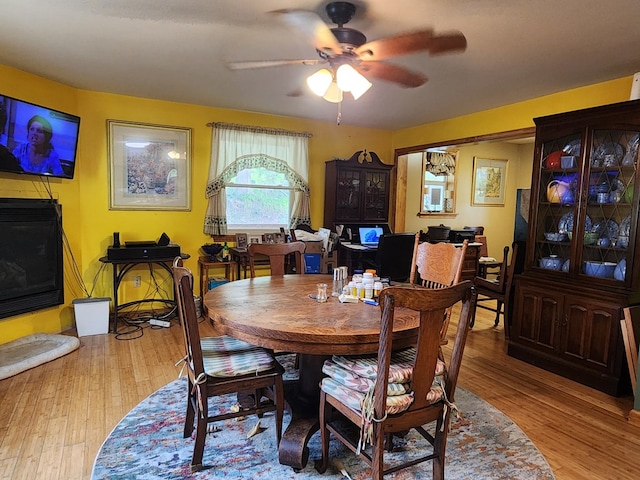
[[370, 236]]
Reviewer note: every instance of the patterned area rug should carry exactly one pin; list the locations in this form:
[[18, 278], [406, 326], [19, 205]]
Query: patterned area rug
[[147, 444]]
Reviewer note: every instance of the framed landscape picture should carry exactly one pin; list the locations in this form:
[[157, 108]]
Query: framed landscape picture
[[489, 180], [149, 166]]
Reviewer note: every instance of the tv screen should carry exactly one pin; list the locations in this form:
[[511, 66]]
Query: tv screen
[[37, 140]]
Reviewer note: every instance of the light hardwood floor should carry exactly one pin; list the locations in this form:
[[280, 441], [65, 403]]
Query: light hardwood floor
[[54, 418]]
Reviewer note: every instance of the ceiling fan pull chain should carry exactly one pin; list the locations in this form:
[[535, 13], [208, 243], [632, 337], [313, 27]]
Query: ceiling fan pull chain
[[339, 119]]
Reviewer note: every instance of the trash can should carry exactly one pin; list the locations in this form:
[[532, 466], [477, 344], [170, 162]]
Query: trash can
[[92, 315]]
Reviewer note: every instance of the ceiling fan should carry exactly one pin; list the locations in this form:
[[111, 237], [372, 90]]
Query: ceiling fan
[[342, 46]]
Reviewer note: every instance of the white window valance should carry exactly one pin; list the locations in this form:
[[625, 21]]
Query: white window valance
[[234, 147]]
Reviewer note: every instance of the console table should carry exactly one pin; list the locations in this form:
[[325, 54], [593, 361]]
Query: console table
[[120, 269], [205, 263]]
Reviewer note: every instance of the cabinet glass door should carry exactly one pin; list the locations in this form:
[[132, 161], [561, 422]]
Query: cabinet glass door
[[348, 195], [610, 213], [557, 216], [375, 195]]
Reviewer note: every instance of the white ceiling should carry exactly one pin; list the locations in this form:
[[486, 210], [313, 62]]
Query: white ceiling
[[175, 50]]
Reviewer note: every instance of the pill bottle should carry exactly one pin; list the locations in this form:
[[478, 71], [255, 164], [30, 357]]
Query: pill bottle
[[368, 290]]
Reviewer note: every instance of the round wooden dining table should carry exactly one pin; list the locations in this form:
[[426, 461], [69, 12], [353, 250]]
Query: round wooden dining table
[[278, 313]]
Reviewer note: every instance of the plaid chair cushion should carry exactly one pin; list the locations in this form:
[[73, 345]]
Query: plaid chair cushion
[[360, 384], [400, 370], [353, 398], [351, 379], [226, 356]]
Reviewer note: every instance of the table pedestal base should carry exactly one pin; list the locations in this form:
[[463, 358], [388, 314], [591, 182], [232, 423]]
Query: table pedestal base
[[303, 402]]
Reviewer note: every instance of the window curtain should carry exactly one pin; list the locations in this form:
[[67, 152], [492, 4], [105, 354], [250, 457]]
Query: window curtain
[[440, 163], [236, 147]]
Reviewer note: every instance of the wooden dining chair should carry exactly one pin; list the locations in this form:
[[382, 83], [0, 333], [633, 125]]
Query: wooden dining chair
[[498, 290], [277, 253], [358, 388], [437, 265], [630, 325], [222, 365]]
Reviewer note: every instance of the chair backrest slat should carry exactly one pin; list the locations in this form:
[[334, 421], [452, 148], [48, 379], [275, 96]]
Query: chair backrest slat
[[437, 265], [183, 281], [277, 253], [431, 305]]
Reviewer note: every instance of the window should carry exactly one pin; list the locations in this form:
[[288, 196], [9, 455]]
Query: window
[[258, 179], [258, 199], [433, 190], [438, 182]]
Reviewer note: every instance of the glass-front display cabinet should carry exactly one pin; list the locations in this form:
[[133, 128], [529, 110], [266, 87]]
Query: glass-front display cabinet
[[582, 263], [357, 190]]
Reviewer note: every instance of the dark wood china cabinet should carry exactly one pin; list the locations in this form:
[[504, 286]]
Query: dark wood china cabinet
[[582, 264], [357, 191]]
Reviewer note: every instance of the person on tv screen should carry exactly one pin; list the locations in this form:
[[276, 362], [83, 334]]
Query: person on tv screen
[[7, 161], [38, 154]]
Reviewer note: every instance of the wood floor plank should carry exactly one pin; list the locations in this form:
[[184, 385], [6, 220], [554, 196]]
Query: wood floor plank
[[56, 416]]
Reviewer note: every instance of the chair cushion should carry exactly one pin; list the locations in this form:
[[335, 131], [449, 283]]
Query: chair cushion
[[400, 369], [352, 378], [360, 384], [353, 399], [226, 356]]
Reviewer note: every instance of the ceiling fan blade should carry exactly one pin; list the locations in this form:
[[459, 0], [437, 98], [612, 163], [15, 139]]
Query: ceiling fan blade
[[451, 42], [269, 63], [311, 26], [389, 47], [391, 73]]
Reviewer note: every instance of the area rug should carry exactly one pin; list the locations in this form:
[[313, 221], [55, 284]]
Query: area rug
[[33, 350], [147, 444]]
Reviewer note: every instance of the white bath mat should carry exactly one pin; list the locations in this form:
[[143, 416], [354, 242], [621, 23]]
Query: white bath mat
[[33, 350]]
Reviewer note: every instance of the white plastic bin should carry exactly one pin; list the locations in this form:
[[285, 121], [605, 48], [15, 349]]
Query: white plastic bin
[[92, 315]]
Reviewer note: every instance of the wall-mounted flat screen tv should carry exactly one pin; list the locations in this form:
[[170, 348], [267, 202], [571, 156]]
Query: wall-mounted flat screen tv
[[37, 140]]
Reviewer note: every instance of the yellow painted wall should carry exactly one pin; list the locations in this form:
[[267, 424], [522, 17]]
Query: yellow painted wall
[[89, 224], [42, 91], [514, 116], [497, 220]]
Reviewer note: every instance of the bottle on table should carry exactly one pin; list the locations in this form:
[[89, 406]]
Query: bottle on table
[[225, 252]]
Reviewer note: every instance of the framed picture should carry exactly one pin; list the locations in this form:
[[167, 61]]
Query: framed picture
[[278, 237], [489, 180], [241, 240], [269, 238], [256, 239], [149, 166]]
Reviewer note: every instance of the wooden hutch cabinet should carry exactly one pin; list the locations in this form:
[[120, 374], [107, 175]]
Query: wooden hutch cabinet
[[357, 191], [582, 264]]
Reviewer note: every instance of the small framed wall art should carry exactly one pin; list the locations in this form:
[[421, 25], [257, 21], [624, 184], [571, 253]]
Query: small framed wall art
[[489, 180]]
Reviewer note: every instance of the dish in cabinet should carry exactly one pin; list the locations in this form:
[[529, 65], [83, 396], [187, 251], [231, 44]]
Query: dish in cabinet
[[606, 229], [566, 223], [625, 226], [606, 150]]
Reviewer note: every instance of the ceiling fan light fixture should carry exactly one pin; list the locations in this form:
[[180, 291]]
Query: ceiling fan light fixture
[[320, 81], [360, 88], [333, 94], [349, 80]]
